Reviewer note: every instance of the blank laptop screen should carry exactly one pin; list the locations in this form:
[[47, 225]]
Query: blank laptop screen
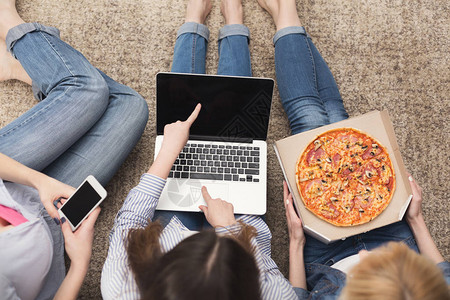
[[232, 107]]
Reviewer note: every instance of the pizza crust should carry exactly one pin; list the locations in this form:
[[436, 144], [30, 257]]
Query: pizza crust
[[345, 177]]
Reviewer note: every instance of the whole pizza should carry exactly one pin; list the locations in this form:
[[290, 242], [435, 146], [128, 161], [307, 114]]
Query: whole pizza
[[345, 177]]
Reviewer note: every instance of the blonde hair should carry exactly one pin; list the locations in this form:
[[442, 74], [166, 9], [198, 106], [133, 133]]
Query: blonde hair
[[395, 272]]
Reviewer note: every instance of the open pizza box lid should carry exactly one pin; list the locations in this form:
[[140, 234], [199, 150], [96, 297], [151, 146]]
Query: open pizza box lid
[[376, 124]]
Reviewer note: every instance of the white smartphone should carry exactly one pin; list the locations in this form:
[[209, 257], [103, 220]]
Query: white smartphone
[[85, 199]]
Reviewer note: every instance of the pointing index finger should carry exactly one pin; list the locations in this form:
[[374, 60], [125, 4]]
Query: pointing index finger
[[205, 194], [194, 114]]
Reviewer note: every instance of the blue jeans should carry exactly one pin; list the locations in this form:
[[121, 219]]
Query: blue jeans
[[86, 123], [311, 99], [190, 50], [308, 91], [318, 252], [190, 57]]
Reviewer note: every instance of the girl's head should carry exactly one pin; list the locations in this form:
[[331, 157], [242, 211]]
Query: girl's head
[[395, 272], [202, 266]]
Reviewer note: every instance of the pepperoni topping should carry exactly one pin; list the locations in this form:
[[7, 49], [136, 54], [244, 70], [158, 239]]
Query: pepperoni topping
[[314, 186], [363, 202], [331, 212], [390, 183], [316, 156], [371, 152], [336, 159]]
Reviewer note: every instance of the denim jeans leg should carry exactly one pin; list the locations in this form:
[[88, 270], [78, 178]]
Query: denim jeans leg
[[396, 232], [326, 254], [76, 96], [318, 252], [296, 78], [190, 49], [234, 54], [103, 149], [192, 220], [327, 88]]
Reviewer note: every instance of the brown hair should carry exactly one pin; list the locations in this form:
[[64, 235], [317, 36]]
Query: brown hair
[[395, 272], [202, 266]]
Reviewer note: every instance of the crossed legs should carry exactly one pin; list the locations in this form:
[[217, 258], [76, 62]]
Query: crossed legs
[[86, 123]]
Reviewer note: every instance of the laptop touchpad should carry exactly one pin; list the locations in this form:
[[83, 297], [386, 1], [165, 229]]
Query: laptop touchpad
[[187, 192]]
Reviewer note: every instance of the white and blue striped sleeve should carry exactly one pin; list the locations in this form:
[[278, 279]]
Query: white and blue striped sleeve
[[273, 284], [139, 206]]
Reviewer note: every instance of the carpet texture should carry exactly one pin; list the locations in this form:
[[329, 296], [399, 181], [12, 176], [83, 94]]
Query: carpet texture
[[385, 54]]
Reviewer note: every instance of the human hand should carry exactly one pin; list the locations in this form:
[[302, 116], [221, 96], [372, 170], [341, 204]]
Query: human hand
[[78, 244], [296, 234], [50, 190], [218, 213], [176, 134], [175, 138], [415, 207]]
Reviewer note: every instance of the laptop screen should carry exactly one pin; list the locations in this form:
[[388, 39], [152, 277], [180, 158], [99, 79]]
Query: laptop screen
[[233, 108]]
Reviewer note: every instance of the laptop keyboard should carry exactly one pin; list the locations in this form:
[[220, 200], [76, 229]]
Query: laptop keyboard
[[217, 162]]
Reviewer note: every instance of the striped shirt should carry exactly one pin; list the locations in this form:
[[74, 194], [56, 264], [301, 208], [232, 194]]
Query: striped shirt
[[117, 280]]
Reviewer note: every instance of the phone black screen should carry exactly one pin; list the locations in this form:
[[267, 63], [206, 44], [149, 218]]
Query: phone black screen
[[81, 203]]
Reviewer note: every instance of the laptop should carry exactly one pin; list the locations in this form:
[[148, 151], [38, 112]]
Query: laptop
[[226, 150]]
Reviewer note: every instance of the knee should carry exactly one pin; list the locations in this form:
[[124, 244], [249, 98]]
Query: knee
[[134, 110], [306, 117], [97, 89], [140, 110], [337, 115], [90, 93], [298, 127]]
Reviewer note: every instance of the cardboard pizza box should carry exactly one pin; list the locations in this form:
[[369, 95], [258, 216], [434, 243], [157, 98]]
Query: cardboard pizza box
[[376, 124]]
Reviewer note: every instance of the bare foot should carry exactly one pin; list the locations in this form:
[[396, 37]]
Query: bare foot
[[232, 11], [8, 17], [198, 10], [10, 68], [283, 12]]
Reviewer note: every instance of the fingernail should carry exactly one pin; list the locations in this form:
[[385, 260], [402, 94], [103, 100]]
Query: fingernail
[[63, 220], [287, 201], [56, 221], [410, 178]]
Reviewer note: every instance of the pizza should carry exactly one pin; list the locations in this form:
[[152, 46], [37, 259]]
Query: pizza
[[345, 177]]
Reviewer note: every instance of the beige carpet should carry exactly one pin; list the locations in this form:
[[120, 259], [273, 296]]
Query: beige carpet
[[385, 54]]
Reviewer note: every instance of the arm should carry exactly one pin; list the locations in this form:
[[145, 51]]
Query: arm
[[415, 219], [49, 189], [14, 171], [78, 246], [139, 208], [175, 138], [297, 240]]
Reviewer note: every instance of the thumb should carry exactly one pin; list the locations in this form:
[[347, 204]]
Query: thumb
[[90, 221], [204, 209]]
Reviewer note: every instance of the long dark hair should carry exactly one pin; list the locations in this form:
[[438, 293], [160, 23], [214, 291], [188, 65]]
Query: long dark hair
[[202, 266]]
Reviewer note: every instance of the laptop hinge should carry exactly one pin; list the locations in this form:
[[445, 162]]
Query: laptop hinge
[[221, 139]]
